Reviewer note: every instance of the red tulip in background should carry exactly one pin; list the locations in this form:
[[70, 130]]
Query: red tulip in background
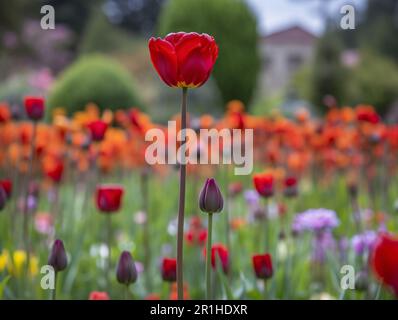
[[34, 107], [184, 60], [262, 265], [222, 256], [6, 184], [98, 295], [97, 129], [109, 197], [264, 184], [54, 170], [290, 187], [384, 261], [5, 114], [169, 269]]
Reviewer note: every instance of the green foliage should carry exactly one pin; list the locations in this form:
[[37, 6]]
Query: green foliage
[[101, 36], [94, 79], [234, 27], [374, 81], [328, 75]]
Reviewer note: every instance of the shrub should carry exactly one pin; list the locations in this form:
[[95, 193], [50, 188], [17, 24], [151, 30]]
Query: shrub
[[234, 27], [94, 79]]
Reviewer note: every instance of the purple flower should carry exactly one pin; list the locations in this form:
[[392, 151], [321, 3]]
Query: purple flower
[[315, 220], [252, 198], [363, 242], [321, 243]]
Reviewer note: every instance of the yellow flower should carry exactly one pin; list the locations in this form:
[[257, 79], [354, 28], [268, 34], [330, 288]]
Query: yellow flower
[[4, 260], [33, 266], [19, 260]]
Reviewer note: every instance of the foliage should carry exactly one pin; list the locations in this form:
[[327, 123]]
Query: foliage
[[234, 27], [96, 79], [374, 81], [328, 75]]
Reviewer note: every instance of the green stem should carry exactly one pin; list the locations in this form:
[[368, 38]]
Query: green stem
[[208, 256], [126, 292], [54, 291], [109, 262], [181, 202]]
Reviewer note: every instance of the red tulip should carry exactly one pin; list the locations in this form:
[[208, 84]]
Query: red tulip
[[34, 107], [262, 265], [5, 114], [54, 170], [169, 269], [97, 129], [264, 184], [184, 60], [98, 295], [6, 184], [290, 184], [109, 197], [222, 256], [384, 261]]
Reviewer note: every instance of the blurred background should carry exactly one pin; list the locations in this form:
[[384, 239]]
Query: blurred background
[[274, 55]]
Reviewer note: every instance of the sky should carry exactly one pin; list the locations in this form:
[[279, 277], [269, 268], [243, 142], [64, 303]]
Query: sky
[[275, 15]]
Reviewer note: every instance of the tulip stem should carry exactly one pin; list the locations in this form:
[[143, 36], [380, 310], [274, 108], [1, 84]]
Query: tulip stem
[[54, 291], [109, 239], [181, 202], [26, 199], [126, 292], [208, 256]]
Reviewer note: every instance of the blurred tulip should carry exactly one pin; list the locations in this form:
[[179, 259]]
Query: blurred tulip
[[264, 184], [290, 187], [126, 272], [169, 269], [57, 258], [98, 295], [109, 197], [6, 184], [219, 252], [34, 107], [210, 198], [384, 261], [262, 265], [97, 129]]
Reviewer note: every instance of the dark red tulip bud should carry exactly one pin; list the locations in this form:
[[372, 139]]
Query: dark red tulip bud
[[3, 198], [262, 265], [97, 129], [58, 259], [210, 198], [34, 107], [290, 184], [126, 272], [169, 269], [6, 184], [264, 184], [109, 197]]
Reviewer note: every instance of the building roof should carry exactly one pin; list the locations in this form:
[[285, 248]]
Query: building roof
[[294, 34]]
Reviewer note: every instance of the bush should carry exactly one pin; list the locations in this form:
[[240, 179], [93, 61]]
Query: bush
[[94, 79], [234, 27]]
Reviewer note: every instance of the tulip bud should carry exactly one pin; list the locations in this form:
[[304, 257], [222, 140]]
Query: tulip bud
[[7, 186], [262, 265], [126, 271], [97, 129], [169, 269], [210, 198], [34, 107], [58, 259], [3, 198]]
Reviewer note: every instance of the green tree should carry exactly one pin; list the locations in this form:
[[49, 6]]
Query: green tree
[[234, 27], [328, 74]]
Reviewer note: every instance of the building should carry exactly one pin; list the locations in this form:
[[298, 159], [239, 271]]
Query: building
[[282, 53]]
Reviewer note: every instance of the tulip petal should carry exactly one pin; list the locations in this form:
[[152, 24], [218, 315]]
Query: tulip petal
[[164, 60]]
